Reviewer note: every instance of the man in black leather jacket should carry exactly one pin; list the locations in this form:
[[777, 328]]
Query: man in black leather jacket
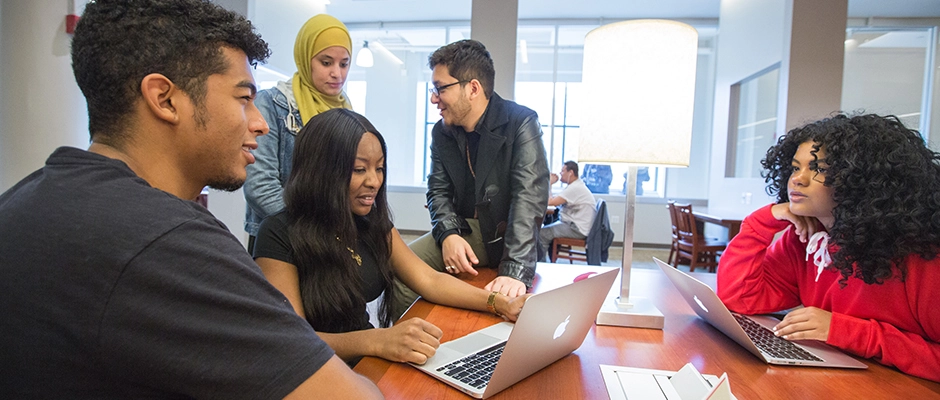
[[488, 186]]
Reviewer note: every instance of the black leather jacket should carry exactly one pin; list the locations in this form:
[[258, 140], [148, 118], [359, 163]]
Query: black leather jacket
[[511, 192]]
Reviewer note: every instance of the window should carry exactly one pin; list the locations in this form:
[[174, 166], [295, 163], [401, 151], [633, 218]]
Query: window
[[887, 71], [397, 100], [752, 122], [548, 80]]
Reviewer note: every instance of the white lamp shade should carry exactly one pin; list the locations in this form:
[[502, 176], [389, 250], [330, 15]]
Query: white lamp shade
[[364, 58], [639, 83]]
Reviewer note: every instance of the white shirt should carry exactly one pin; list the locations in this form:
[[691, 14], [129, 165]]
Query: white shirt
[[579, 206]]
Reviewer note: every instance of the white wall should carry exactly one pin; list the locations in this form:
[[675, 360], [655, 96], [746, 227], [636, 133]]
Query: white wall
[[279, 21], [750, 39], [494, 23], [41, 107]]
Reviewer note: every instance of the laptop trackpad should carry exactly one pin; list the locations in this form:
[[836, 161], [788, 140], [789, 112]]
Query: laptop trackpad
[[473, 343]]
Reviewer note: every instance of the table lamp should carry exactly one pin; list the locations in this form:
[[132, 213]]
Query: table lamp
[[639, 82]]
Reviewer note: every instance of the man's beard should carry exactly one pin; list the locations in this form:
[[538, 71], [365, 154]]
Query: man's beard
[[458, 112], [226, 184]]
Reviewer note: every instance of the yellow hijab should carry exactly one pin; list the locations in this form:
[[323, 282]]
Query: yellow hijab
[[318, 33]]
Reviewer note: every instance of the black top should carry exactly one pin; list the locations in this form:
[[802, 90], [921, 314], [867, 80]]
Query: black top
[[114, 289], [273, 242], [467, 209]]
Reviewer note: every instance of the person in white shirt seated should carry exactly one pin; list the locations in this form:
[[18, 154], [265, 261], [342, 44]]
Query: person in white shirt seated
[[577, 209]]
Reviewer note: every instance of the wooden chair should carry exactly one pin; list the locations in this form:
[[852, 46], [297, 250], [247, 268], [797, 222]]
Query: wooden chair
[[692, 245], [569, 249], [577, 249], [674, 247]]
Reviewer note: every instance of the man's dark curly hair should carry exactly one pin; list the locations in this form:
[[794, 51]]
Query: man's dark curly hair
[[886, 188], [119, 42], [466, 60]]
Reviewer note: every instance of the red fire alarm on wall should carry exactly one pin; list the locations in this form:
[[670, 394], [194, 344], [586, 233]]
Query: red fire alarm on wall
[[70, 21], [76, 8]]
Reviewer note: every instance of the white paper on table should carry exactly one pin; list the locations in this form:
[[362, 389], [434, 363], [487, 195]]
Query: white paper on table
[[626, 383]]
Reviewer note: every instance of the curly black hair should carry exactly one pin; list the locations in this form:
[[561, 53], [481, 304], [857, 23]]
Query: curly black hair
[[886, 186], [119, 42], [466, 60]]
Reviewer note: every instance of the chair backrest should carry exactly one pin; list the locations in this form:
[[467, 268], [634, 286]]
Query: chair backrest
[[685, 223], [597, 225], [600, 237], [674, 218]]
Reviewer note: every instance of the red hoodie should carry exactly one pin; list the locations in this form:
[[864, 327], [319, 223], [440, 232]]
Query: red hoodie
[[892, 322]]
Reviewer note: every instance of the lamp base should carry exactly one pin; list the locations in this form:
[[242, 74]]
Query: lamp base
[[634, 312]]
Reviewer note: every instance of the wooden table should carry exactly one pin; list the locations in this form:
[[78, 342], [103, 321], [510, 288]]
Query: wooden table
[[732, 223], [686, 338]]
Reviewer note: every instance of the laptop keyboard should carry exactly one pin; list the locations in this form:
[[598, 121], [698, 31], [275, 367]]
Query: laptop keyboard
[[475, 369], [771, 344]]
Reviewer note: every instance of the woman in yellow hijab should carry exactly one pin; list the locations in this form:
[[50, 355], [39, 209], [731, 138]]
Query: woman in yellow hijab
[[322, 54]]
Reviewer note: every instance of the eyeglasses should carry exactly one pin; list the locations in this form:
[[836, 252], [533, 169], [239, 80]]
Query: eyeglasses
[[436, 90]]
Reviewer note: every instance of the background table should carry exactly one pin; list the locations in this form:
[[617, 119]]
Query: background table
[[686, 338], [732, 223]]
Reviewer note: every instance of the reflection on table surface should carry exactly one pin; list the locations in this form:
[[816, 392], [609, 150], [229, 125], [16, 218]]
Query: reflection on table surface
[[685, 338]]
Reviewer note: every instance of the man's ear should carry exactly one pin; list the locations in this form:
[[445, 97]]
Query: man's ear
[[476, 89], [160, 95]]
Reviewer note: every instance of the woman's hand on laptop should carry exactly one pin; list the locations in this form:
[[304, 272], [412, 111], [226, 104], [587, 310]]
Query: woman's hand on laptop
[[414, 340], [510, 308], [805, 323]]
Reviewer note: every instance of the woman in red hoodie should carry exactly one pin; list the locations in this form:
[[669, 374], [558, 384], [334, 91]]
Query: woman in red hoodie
[[859, 208]]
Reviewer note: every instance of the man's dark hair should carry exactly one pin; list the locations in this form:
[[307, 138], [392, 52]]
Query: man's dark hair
[[465, 60], [119, 42], [885, 185], [572, 166]]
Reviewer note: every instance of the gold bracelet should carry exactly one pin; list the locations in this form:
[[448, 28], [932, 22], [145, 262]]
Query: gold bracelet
[[491, 304]]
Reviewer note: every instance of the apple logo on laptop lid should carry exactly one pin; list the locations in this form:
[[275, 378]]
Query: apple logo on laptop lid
[[560, 330], [699, 302]]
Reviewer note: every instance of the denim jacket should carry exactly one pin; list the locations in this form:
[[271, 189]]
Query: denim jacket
[[264, 188]]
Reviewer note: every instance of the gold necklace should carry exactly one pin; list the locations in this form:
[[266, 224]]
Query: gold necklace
[[352, 252], [468, 162]]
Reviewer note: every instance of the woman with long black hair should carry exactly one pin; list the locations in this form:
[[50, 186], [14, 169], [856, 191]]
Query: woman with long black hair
[[334, 248]]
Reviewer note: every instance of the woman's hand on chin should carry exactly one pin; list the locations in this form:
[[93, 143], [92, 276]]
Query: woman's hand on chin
[[804, 227]]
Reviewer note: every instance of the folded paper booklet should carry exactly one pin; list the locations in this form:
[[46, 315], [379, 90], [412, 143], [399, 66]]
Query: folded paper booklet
[[625, 383]]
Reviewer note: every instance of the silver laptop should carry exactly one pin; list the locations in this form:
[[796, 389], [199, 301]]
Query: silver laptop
[[754, 332], [551, 325]]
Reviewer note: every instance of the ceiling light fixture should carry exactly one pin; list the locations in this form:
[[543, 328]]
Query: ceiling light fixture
[[364, 58]]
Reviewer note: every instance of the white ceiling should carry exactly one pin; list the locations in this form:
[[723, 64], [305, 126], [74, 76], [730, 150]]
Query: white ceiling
[[353, 11]]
